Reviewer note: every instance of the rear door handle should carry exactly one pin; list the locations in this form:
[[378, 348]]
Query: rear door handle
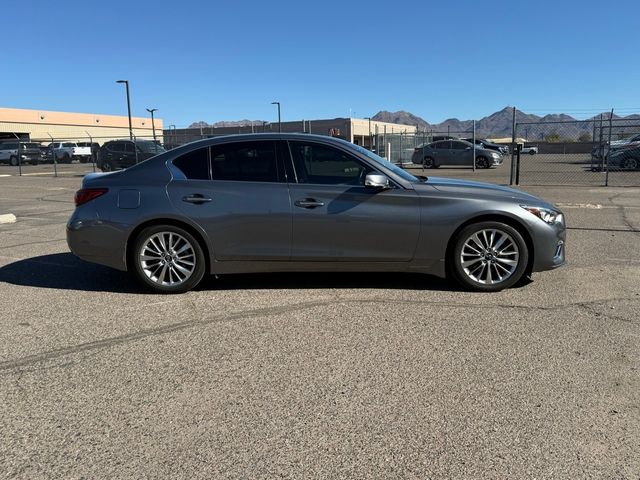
[[196, 199], [308, 203]]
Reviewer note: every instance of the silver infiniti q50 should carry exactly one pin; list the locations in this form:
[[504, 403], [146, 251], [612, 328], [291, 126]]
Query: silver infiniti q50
[[297, 202]]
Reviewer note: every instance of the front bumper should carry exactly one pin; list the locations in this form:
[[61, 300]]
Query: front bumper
[[549, 245]]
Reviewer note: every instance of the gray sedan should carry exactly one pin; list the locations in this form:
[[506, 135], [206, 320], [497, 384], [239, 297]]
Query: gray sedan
[[296, 202], [455, 152]]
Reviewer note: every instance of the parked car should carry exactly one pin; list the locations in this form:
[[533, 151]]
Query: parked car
[[454, 152], [602, 150], [530, 149], [625, 158], [27, 152], [503, 149], [63, 152], [301, 202], [119, 154]]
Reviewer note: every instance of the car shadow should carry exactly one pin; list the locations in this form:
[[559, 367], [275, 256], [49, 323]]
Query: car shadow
[[64, 271]]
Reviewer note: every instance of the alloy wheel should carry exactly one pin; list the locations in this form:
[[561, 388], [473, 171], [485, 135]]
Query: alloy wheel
[[167, 259], [489, 256]]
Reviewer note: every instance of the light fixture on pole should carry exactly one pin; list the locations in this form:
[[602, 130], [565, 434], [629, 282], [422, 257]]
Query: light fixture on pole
[[126, 84], [279, 120], [153, 125]]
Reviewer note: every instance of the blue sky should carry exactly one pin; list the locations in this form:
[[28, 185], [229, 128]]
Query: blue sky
[[228, 60]]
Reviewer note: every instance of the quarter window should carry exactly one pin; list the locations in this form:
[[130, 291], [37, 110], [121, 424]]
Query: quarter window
[[324, 165], [244, 162], [194, 164]]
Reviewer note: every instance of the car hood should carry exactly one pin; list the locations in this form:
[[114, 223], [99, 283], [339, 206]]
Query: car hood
[[471, 189]]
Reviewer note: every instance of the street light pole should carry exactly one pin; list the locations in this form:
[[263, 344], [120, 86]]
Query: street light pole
[[126, 84], [153, 125], [279, 120]]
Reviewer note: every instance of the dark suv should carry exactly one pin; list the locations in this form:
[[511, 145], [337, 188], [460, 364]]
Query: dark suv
[[119, 154]]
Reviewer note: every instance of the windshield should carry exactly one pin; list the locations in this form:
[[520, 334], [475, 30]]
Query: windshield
[[30, 145], [150, 147], [394, 168]]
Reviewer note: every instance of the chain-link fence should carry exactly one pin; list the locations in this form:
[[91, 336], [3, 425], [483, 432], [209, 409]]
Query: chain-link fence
[[602, 151]]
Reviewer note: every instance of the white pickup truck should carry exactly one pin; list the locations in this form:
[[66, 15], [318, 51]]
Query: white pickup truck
[[65, 152]]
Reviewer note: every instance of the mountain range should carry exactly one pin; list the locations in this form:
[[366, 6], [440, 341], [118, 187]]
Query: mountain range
[[498, 124]]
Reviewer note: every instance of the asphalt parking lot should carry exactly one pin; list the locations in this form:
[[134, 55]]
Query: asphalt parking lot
[[318, 376]]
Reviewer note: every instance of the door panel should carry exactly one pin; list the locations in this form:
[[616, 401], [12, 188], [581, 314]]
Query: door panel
[[244, 220], [354, 224]]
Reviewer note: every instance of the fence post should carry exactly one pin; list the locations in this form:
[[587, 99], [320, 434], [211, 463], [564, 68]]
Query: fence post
[[19, 156], [513, 146], [518, 164], [53, 156], [93, 159], [384, 142], [473, 161], [606, 177]]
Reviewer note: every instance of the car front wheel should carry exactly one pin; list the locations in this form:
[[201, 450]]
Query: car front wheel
[[168, 259], [489, 256], [482, 162], [13, 161], [428, 162]]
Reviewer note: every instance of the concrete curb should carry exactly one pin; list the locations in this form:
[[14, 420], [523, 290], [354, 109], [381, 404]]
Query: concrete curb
[[8, 218]]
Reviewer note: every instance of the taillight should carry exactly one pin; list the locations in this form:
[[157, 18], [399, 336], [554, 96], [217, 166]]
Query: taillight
[[85, 195]]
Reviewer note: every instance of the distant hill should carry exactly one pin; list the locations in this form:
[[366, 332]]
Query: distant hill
[[499, 124]]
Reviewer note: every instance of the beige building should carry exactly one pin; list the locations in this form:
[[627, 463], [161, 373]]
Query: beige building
[[43, 126]]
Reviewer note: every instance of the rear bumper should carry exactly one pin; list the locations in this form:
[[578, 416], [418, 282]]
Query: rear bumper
[[93, 240]]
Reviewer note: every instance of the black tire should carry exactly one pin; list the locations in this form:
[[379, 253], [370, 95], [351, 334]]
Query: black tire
[[428, 162], [137, 268], [532, 152], [67, 159], [631, 164], [106, 167], [482, 162], [466, 277], [13, 161]]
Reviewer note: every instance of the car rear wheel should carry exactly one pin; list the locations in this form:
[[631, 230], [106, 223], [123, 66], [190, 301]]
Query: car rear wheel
[[106, 167], [482, 162], [489, 256], [168, 259], [631, 164], [13, 161], [428, 162], [532, 152]]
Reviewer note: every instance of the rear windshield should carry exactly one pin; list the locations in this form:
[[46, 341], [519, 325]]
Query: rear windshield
[[150, 147]]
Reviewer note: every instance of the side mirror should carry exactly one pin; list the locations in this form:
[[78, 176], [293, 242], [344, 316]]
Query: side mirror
[[377, 181]]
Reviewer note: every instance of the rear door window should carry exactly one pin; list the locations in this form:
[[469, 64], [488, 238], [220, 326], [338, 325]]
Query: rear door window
[[245, 162], [194, 165]]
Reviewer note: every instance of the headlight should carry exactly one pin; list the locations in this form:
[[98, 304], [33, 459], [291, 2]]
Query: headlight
[[545, 214], [495, 155]]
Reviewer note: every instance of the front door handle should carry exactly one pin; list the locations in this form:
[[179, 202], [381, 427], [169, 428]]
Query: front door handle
[[308, 203], [196, 199]]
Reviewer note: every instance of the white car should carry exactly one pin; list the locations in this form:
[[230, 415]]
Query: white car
[[528, 149]]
